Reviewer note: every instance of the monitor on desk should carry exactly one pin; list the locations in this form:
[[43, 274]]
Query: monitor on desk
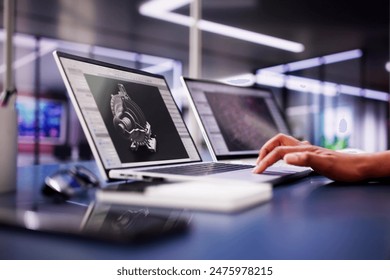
[[52, 120]]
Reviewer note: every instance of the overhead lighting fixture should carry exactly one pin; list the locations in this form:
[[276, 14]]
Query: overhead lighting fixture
[[157, 64], [275, 69], [315, 61], [387, 66], [350, 90], [303, 64], [159, 68], [269, 78], [274, 76], [243, 80], [279, 80], [310, 85], [375, 94], [162, 9], [342, 56], [117, 54], [28, 42], [151, 59]]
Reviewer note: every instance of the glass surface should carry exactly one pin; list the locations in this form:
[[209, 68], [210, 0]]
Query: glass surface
[[109, 222]]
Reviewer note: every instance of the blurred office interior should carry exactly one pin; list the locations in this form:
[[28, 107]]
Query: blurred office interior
[[331, 78]]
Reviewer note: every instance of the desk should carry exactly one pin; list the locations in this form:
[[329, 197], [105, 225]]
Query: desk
[[309, 219]]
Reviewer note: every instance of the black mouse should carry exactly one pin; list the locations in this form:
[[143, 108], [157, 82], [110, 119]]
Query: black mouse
[[67, 183]]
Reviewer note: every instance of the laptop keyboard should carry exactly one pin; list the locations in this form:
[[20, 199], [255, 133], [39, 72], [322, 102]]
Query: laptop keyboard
[[201, 169]]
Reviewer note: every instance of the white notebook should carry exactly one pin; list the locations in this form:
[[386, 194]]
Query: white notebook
[[217, 196]]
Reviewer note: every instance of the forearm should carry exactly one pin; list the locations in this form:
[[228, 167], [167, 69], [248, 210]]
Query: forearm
[[376, 165]]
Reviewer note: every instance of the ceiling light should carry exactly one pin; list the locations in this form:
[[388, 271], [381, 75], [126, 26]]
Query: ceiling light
[[268, 78], [159, 68], [342, 56], [162, 9], [304, 64], [310, 85], [316, 61], [32, 55], [377, 95], [243, 80], [118, 54], [277, 69], [250, 36], [350, 90]]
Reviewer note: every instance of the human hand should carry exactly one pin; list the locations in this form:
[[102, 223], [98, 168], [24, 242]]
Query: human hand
[[332, 164]]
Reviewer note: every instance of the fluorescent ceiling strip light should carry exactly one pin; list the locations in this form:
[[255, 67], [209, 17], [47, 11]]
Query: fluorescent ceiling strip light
[[250, 36], [32, 56], [301, 84], [130, 56], [374, 94], [162, 6], [20, 40], [150, 59], [162, 9], [112, 53], [159, 64], [350, 90], [316, 61], [277, 69], [270, 79], [159, 68], [311, 85], [78, 47], [329, 89], [303, 64], [342, 56], [244, 80]]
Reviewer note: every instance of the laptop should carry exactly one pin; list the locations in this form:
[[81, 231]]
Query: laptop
[[236, 121], [134, 127]]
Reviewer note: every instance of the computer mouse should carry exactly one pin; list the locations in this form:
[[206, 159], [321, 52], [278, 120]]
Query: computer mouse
[[68, 183]]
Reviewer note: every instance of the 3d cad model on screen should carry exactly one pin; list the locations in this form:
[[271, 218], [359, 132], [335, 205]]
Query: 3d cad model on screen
[[130, 121]]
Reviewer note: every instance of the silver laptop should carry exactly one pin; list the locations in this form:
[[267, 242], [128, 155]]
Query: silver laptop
[[134, 127], [236, 121]]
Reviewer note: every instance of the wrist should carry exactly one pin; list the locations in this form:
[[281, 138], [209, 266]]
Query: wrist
[[367, 163], [375, 165]]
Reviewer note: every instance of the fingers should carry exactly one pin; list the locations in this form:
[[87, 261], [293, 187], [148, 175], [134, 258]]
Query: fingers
[[279, 153], [318, 161], [300, 158], [276, 141]]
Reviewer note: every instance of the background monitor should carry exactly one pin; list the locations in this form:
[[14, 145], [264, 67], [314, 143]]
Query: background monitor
[[52, 120]]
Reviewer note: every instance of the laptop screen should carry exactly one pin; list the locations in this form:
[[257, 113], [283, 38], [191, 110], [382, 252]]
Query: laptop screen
[[128, 116], [237, 121]]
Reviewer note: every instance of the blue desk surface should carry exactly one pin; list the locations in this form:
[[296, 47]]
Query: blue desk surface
[[313, 218]]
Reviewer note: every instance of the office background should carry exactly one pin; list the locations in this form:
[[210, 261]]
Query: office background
[[333, 87]]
